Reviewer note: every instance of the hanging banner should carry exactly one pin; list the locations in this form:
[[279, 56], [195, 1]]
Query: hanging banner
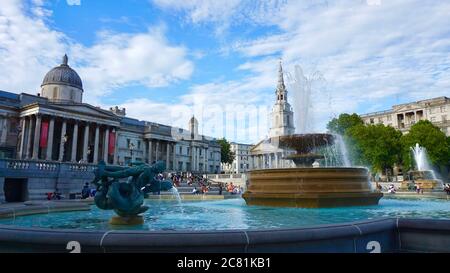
[[44, 134], [111, 143]]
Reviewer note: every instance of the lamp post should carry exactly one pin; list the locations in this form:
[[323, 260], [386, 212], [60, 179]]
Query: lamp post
[[65, 141], [89, 152], [131, 147]]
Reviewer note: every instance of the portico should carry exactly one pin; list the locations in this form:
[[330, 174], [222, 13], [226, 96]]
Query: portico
[[68, 133]]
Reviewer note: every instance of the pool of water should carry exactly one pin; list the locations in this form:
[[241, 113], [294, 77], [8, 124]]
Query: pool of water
[[235, 214]]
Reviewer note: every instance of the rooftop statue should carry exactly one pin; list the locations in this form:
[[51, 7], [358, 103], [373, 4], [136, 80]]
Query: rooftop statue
[[126, 198]]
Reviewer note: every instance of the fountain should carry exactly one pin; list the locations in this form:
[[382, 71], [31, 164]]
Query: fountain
[[423, 176], [307, 186]]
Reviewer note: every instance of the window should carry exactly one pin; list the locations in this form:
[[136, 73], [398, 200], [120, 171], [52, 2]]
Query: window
[[128, 142], [371, 121], [55, 93], [139, 144], [188, 150], [181, 150]]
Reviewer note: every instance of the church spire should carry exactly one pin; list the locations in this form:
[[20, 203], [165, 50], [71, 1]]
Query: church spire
[[281, 91], [281, 86]]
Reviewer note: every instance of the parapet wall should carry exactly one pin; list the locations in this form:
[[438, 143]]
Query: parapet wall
[[375, 236]]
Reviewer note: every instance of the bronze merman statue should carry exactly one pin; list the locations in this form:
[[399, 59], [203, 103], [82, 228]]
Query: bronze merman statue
[[126, 198]]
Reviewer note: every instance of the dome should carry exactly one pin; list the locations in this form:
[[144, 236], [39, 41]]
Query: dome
[[64, 75]]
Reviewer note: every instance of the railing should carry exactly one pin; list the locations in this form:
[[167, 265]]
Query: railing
[[40, 168]]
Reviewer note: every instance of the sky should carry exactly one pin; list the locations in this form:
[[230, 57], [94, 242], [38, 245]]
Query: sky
[[166, 60]]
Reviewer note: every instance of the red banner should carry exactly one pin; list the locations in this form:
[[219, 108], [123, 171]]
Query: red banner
[[111, 143], [44, 134]]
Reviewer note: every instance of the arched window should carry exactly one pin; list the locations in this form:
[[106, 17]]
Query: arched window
[[55, 93]]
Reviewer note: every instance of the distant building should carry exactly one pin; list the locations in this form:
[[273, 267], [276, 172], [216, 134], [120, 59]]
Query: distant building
[[403, 116], [241, 162], [267, 153]]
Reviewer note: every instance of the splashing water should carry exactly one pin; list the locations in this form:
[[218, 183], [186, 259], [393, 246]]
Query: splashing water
[[301, 87], [421, 159], [176, 194], [343, 150]]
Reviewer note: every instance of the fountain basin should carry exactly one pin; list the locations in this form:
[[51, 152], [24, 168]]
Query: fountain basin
[[311, 188], [424, 179]]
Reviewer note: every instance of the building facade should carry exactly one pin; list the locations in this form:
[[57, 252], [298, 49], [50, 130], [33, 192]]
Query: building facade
[[242, 158], [282, 116], [56, 126], [403, 116]]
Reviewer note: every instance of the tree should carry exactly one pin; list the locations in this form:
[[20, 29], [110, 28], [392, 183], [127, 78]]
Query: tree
[[227, 156], [376, 145], [429, 136], [344, 122]]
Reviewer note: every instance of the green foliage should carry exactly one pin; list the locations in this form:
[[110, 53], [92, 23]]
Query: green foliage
[[430, 137], [227, 156], [344, 122], [375, 145]]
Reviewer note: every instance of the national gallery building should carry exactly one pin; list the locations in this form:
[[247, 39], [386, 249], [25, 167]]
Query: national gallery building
[[55, 126]]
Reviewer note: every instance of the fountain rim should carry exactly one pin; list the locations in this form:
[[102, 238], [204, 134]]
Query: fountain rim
[[305, 169]]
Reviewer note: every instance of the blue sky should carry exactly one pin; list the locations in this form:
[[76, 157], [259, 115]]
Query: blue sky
[[164, 60]]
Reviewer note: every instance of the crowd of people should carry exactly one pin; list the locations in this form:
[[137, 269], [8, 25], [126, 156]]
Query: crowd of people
[[447, 189]]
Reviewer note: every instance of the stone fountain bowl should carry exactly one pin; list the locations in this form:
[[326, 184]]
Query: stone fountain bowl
[[305, 143], [311, 187]]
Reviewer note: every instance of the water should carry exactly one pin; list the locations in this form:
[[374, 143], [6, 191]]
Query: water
[[343, 150], [176, 194], [301, 90], [235, 214], [421, 159]]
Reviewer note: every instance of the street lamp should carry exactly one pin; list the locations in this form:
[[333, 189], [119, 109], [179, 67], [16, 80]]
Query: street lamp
[[89, 152], [65, 140], [131, 147]]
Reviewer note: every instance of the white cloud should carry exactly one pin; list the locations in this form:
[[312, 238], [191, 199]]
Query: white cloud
[[122, 59], [368, 51], [29, 48], [74, 2]]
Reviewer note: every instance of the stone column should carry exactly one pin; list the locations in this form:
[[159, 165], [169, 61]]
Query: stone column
[[61, 143], [270, 161], [37, 136], [167, 156], [51, 129], [276, 160], [106, 144], [86, 142], [29, 136], [174, 159], [157, 151], [22, 138], [150, 147], [197, 157], [97, 132], [73, 158], [116, 139], [205, 157]]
